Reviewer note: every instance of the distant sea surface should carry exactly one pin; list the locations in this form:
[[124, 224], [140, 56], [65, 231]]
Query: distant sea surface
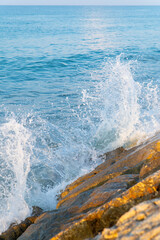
[[75, 82]]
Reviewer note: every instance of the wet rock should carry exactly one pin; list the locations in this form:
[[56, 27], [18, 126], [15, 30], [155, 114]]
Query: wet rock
[[65, 225], [36, 211], [130, 161], [109, 159], [97, 196], [98, 199], [16, 230]]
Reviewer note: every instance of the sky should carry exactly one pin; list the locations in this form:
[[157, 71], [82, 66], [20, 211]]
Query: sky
[[79, 2]]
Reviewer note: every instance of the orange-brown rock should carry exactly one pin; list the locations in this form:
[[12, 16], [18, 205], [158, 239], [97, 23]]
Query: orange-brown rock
[[152, 164], [140, 222], [97, 196], [127, 162], [98, 199]]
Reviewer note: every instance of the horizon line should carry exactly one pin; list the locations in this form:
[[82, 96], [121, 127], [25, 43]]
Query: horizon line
[[72, 5], [107, 5]]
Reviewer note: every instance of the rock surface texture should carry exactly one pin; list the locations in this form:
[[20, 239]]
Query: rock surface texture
[[141, 222], [119, 199]]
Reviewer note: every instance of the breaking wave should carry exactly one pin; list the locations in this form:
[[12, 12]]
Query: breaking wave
[[39, 157]]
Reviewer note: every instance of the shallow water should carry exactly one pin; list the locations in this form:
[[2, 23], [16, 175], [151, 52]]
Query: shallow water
[[75, 82]]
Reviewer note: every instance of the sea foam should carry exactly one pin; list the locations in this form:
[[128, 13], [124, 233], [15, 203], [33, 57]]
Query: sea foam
[[127, 110], [39, 157], [15, 152]]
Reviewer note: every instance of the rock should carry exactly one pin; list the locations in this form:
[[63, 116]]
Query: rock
[[36, 211], [152, 164], [129, 162], [98, 199], [109, 159], [15, 231], [97, 196], [141, 222]]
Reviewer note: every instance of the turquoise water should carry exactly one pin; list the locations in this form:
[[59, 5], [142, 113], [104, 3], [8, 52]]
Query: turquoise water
[[75, 82]]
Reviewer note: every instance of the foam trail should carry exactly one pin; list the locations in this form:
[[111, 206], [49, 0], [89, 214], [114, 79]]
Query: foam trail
[[15, 153]]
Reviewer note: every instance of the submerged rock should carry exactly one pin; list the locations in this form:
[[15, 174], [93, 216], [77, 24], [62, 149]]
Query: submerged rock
[[100, 198]]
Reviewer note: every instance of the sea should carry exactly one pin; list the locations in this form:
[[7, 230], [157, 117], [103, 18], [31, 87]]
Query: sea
[[75, 82]]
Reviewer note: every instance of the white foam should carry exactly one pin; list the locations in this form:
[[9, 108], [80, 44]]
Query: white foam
[[119, 101], [15, 151], [38, 158]]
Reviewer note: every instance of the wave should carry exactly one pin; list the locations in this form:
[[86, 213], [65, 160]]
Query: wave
[[128, 110], [39, 156]]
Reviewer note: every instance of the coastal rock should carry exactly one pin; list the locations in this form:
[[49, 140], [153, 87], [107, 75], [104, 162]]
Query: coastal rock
[[97, 200], [16, 230], [65, 224], [152, 164], [128, 162], [140, 222]]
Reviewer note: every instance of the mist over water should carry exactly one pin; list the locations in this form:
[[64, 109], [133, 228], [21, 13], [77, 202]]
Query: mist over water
[[69, 93]]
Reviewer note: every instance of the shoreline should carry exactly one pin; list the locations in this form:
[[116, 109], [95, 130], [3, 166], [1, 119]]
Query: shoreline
[[99, 199]]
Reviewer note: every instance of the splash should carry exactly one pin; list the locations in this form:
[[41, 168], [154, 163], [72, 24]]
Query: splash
[[40, 156], [15, 151], [60, 154], [128, 110]]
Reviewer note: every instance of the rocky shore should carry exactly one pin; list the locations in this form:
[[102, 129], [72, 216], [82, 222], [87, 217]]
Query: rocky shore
[[120, 199]]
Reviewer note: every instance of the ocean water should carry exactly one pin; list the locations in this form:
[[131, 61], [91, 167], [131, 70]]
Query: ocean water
[[75, 82]]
